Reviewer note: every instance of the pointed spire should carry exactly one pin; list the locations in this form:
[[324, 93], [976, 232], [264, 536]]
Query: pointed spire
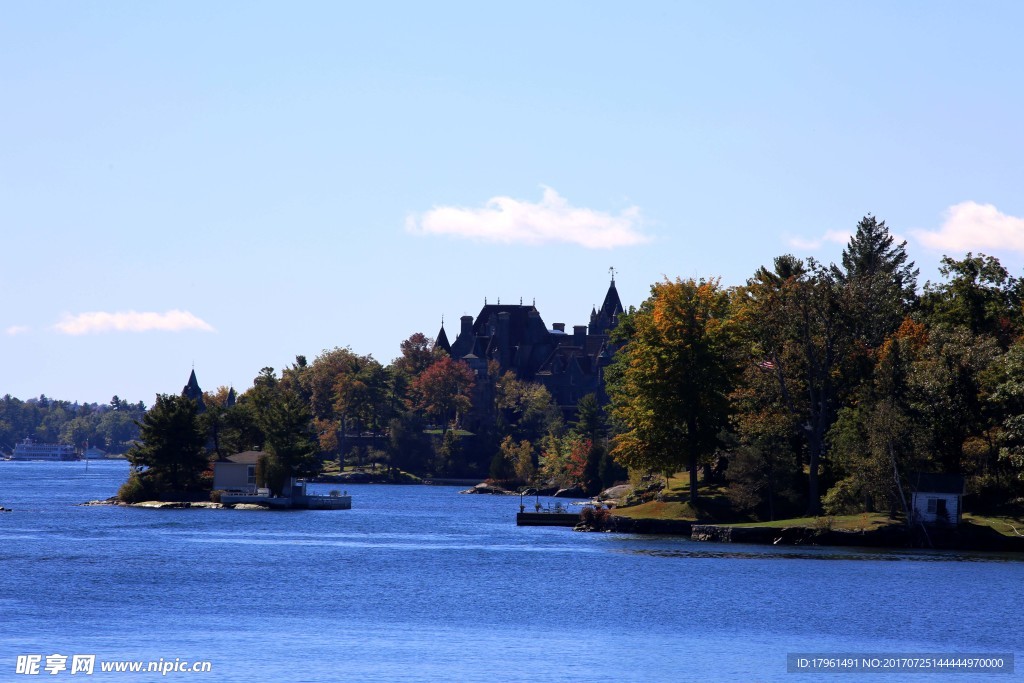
[[608, 317], [442, 339], [193, 391]]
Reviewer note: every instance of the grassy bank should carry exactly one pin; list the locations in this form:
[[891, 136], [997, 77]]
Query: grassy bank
[[715, 507]]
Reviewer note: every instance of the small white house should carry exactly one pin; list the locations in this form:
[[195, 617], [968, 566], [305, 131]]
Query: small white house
[[937, 498], [236, 472]]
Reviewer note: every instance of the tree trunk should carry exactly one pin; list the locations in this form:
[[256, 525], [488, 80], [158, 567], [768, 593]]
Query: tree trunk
[[692, 448], [813, 493], [693, 480]]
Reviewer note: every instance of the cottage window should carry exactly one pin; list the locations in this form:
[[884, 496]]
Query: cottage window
[[251, 472]]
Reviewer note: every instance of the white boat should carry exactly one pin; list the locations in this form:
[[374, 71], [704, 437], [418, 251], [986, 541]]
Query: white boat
[[30, 450]]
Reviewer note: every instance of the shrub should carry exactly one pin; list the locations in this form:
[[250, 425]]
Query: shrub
[[823, 524], [587, 515], [134, 490], [595, 518], [845, 498], [215, 495]]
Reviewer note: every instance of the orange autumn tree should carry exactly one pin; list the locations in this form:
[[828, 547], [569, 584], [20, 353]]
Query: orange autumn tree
[[444, 391], [670, 389]]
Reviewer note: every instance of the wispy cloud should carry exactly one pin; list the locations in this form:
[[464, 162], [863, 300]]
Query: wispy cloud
[[551, 220], [131, 321], [837, 236], [15, 330], [971, 226]]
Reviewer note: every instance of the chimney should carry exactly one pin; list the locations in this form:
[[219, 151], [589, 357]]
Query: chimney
[[467, 327], [505, 353], [558, 327], [579, 335]]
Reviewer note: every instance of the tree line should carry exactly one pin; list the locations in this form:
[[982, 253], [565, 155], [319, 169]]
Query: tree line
[[424, 414], [821, 387], [111, 427], [809, 388]]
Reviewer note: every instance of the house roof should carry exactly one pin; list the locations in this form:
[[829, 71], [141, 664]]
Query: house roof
[[936, 483], [245, 458]]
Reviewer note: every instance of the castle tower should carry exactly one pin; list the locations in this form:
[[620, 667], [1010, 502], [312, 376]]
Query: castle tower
[[442, 340], [193, 391], [603, 321]]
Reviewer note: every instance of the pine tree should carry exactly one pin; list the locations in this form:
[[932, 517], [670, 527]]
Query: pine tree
[[881, 281], [171, 446]]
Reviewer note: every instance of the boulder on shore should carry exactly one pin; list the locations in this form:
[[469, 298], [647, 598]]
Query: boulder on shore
[[615, 494], [484, 487], [571, 492]]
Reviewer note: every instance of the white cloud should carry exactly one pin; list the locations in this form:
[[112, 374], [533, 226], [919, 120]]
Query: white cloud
[[131, 321], [970, 226], [513, 221], [17, 329], [837, 236]]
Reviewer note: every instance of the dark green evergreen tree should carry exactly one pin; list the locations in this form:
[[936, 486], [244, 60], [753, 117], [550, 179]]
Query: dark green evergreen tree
[[170, 454], [287, 423], [881, 279]]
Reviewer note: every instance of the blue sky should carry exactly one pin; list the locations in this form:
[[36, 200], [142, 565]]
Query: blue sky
[[232, 184]]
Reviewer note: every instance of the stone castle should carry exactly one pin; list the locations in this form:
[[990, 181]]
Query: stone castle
[[569, 365]]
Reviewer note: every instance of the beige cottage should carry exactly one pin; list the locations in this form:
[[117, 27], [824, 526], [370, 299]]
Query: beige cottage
[[236, 472]]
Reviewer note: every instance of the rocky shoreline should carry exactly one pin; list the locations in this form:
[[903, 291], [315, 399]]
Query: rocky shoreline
[[895, 537], [175, 505], [549, 491]]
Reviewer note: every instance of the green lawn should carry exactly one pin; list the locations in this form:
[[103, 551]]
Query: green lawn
[[714, 507], [1004, 525], [865, 521]]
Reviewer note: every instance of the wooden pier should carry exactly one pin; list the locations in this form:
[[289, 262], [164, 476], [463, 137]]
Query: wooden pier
[[569, 519]]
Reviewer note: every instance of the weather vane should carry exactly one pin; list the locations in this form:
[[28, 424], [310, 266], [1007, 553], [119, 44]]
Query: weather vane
[[612, 271]]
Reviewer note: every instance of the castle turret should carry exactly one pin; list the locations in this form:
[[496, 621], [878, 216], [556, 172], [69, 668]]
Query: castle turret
[[608, 317], [442, 340], [193, 391]]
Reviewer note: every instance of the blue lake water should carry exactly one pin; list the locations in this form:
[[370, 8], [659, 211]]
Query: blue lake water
[[422, 584]]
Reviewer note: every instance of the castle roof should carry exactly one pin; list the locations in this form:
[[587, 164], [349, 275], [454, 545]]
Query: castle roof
[[601, 322], [192, 391], [612, 305], [514, 336], [442, 340]]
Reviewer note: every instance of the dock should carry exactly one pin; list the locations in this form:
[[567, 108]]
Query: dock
[[568, 519]]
